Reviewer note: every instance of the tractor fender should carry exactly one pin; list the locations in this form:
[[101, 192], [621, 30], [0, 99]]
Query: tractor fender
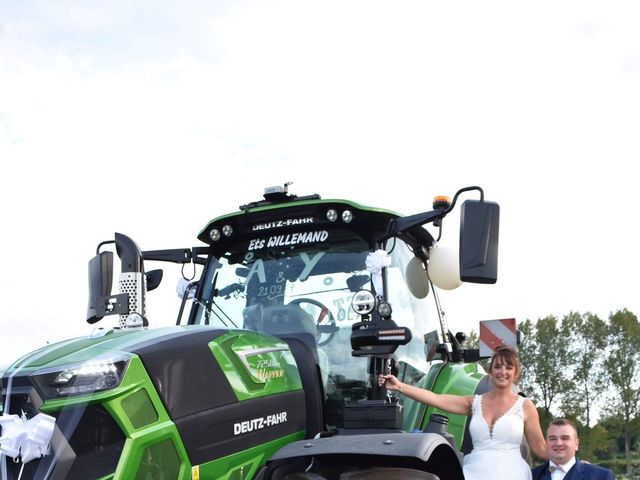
[[422, 452]]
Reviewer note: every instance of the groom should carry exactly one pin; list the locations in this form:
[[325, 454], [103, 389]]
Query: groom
[[562, 444]]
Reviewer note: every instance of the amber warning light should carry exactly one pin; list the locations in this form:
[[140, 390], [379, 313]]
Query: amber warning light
[[441, 202]]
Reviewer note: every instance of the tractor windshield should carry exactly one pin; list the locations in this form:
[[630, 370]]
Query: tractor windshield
[[309, 292]]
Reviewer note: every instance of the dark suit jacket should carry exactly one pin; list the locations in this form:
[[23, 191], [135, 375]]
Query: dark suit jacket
[[580, 471]]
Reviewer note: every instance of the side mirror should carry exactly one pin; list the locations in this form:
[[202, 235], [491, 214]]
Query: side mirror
[[100, 281], [479, 229], [357, 282], [154, 277], [101, 302]]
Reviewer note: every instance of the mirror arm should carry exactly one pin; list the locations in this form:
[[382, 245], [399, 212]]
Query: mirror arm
[[400, 225], [403, 224], [462, 190], [175, 255]]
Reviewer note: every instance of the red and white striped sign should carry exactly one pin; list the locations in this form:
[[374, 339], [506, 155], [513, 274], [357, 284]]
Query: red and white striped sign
[[497, 332]]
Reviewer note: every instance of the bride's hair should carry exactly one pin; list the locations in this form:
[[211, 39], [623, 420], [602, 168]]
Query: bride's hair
[[509, 356]]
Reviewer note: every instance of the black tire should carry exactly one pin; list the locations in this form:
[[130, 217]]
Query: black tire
[[304, 476], [389, 474]]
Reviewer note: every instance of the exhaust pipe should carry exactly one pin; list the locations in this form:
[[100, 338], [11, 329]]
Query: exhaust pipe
[[132, 280]]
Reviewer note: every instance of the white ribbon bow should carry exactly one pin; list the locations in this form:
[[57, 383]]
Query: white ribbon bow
[[182, 286], [376, 261], [28, 439]]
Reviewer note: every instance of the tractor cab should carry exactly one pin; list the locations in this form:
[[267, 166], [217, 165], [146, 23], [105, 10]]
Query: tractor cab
[[295, 270], [337, 275]]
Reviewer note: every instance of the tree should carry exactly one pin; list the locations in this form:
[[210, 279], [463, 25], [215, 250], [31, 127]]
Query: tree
[[472, 340], [584, 359], [527, 351], [614, 425], [623, 369], [600, 445], [545, 353]]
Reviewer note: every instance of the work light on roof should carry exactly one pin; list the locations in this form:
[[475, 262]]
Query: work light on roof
[[227, 230], [347, 216], [214, 234], [332, 215]]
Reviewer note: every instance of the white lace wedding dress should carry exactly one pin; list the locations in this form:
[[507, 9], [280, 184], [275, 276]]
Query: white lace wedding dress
[[496, 451]]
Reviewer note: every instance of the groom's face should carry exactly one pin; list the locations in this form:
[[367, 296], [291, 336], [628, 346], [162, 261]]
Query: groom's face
[[562, 443]]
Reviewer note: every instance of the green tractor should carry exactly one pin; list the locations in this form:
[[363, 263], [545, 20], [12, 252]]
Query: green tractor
[[270, 370]]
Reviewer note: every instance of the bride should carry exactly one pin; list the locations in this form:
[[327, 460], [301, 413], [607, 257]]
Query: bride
[[498, 420]]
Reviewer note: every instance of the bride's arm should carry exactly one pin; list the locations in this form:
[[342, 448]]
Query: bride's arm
[[533, 432], [448, 403]]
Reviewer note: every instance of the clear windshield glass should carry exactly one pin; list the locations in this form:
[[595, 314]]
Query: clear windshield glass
[[310, 292]]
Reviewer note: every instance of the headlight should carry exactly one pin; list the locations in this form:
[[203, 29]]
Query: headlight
[[81, 379], [384, 310], [363, 302]]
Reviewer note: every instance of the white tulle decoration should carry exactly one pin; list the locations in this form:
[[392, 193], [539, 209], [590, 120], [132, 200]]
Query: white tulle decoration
[[444, 268], [182, 286], [376, 261], [27, 438]]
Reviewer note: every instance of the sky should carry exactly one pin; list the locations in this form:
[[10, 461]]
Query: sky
[[151, 118]]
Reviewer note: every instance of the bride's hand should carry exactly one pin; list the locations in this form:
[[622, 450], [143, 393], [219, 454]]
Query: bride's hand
[[390, 382]]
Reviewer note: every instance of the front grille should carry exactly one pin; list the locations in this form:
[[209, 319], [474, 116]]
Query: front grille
[[86, 442]]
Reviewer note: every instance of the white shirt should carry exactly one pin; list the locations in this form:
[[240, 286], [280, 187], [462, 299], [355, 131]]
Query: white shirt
[[561, 469]]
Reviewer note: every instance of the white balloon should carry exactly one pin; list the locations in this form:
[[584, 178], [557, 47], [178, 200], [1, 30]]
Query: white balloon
[[444, 268], [416, 278]]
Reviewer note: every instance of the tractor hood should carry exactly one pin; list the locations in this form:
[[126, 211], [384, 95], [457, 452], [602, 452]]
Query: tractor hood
[[92, 366], [84, 349], [97, 364]]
